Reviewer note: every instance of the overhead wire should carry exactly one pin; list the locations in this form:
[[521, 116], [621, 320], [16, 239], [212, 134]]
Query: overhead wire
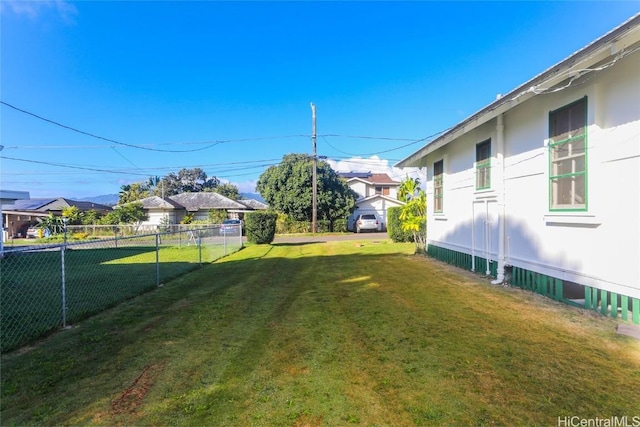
[[70, 166], [142, 147]]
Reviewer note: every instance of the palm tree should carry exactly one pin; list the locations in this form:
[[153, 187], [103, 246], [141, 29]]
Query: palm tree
[[409, 188]]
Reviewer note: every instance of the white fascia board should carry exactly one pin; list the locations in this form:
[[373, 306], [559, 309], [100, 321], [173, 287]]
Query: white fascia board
[[380, 196]]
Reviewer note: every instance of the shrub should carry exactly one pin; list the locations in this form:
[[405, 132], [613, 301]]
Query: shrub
[[394, 226], [260, 226], [340, 225], [323, 226], [287, 225]]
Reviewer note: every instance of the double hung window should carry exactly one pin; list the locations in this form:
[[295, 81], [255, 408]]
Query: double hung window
[[568, 157], [438, 194], [382, 190], [483, 165]]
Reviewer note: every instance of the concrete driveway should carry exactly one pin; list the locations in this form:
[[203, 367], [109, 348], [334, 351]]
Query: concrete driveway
[[321, 238]]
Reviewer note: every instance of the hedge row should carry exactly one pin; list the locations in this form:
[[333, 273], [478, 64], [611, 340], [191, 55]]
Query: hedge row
[[285, 225], [394, 226]]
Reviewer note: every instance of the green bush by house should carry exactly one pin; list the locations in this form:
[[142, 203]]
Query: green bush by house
[[260, 227], [394, 226]]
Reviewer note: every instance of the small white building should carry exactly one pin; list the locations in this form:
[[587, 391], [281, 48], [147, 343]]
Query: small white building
[[542, 186], [377, 192], [172, 209], [7, 200]]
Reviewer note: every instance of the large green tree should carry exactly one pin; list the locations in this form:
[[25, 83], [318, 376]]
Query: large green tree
[[186, 181], [288, 188], [132, 192], [228, 190], [129, 213]]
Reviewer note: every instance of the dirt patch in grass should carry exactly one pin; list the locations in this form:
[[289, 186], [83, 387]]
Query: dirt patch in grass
[[131, 398]]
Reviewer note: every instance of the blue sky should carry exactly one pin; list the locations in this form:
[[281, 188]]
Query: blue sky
[[226, 86]]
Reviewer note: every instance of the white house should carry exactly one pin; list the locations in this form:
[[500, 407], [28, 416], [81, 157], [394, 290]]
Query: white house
[[542, 186], [25, 212], [172, 209], [7, 200], [377, 192]]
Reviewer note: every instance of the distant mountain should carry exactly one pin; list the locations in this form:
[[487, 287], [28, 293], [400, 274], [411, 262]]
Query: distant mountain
[[105, 199], [254, 196]]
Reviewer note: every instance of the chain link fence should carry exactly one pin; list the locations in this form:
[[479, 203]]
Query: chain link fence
[[47, 287]]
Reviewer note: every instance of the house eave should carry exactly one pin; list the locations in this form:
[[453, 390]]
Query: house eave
[[380, 196], [624, 38]]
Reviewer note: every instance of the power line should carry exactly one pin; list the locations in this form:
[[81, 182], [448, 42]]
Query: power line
[[413, 142], [247, 165], [126, 159], [384, 138], [101, 137], [142, 147], [62, 165]]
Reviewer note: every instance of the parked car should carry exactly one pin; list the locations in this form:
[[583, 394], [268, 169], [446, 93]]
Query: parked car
[[367, 222], [231, 226], [33, 233]]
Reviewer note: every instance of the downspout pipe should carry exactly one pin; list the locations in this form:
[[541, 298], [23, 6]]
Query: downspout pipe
[[501, 199]]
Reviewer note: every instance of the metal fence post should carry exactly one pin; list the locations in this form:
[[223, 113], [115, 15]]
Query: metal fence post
[[224, 242], [64, 276], [200, 247], [157, 259]]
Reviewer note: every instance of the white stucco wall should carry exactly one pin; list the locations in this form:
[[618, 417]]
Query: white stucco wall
[[156, 217], [599, 247], [359, 187]]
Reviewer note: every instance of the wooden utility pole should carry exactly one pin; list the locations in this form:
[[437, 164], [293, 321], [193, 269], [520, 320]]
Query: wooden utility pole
[[314, 213]]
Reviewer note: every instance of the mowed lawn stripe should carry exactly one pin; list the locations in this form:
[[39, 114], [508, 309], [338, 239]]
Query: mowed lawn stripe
[[327, 334]]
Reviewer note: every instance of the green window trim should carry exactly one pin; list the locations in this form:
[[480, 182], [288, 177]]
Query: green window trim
[[483, 165], [568, 165], [438, 189]]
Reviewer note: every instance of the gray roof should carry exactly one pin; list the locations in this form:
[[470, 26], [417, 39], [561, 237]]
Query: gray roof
[[206, 200], [155, 202], [30, 204], [55, 204], [200, 201], [254, 204]]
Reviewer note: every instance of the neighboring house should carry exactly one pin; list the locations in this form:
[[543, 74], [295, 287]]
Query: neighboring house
[[24, 213], [7, 202], [377, 192], [172, 209], [542, 186]]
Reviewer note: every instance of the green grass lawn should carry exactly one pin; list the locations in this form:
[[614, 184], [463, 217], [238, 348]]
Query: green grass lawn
[[327, 334], [95, 278]]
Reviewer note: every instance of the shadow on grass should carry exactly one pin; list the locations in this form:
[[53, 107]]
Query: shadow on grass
[[226, 324], [298, 243], [34, 286]]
